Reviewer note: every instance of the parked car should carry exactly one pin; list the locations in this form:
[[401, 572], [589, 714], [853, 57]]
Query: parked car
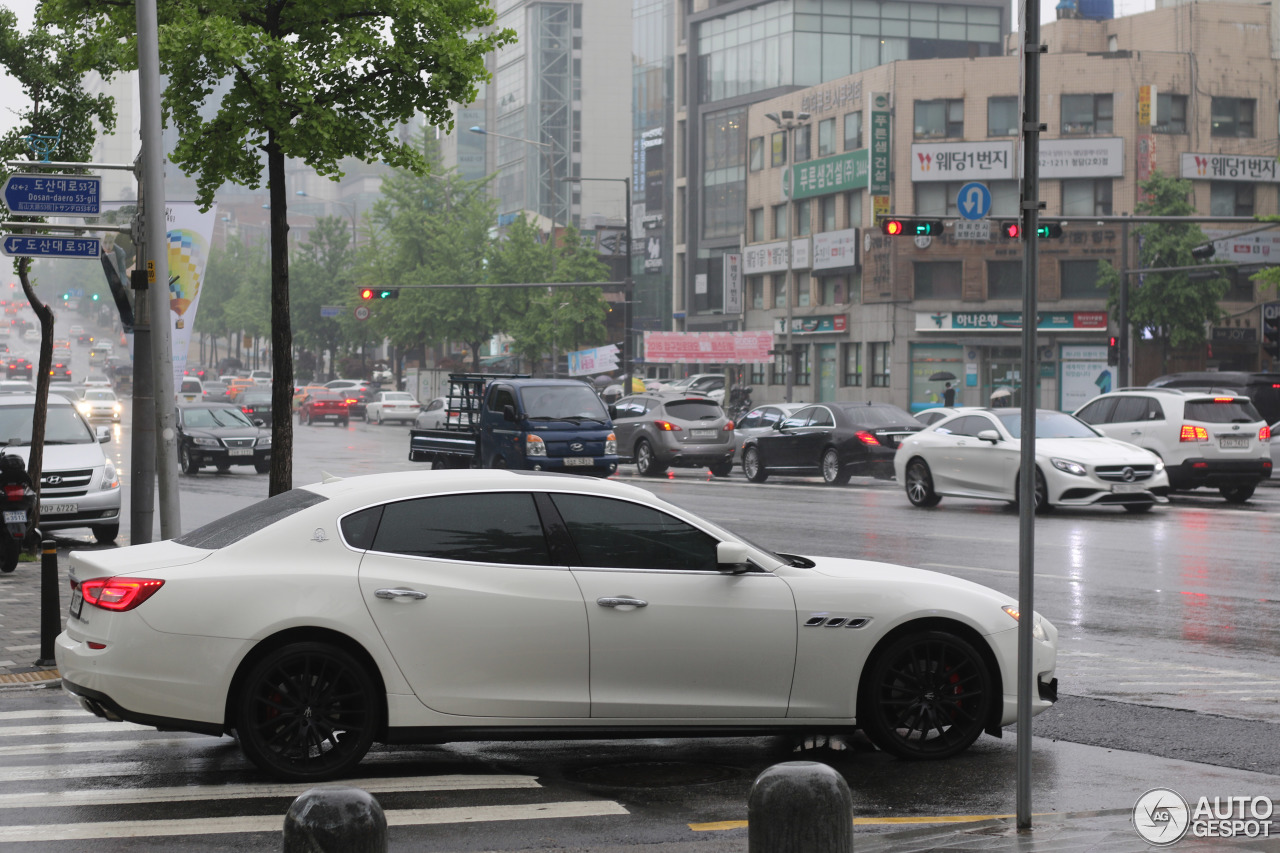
[[392, 406], [318, 617], [665, 429], [1205, 438], [99, 403], [976, 453], [761, 420], [220, 435], [324, 406], [1262, 388], [255, 403], [835, 440]]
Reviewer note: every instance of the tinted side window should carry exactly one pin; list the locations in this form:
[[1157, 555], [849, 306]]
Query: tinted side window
[[1228, 412], [1099, 411], [971, 425], [801, 417], [1130, 409], [1154, 411], [359, 527], [751, 420], [822, 418], [502, 397], [480, 528], [771, 417], [618, 534], [694, 410]]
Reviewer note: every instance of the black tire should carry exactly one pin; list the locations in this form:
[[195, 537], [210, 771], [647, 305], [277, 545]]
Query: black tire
[[920, 484], [343, 423], [224, 469], [1236, 494], [722, 469], [262, 467], [1043, 507], [926, 695], [438, 464], [1138, 508], [187, 463], [752, 467], [10, 551], [832, 473], [307, 712], [647, 464], [105, 533]]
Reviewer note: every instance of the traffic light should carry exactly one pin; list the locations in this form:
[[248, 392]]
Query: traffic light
[[95, 297], [1271, 336], [383, 293], [1203, 253], [1050, 230], [916, 228], [1012, 230], [1113, 350]]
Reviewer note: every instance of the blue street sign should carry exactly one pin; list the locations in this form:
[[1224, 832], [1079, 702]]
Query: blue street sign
[[62, 195], [974, 200], [49, 246], [331, 310]]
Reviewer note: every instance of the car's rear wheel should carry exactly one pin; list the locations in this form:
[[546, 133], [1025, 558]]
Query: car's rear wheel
[[344, 422], [926, 695], [1236, 494], [647, 464], [752, 467], [832, 473], [188, 464], [106, 533], [722, 469], [920, 484], [307, 712], [1142, 507]]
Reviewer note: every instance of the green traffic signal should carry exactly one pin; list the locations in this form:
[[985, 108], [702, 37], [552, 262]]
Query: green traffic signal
[[95, 297], [1051, 230]]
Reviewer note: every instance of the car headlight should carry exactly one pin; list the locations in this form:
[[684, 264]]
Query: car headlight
[[611, 445], [535, 446], [1037, 624], [110, 480], [83, 408], [1159, 465], [1069, 466], [264, 441], [206, 442]]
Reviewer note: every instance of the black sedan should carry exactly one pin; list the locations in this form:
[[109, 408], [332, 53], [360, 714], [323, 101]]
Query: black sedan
[[256, 405], [836, 440], [220, 435]]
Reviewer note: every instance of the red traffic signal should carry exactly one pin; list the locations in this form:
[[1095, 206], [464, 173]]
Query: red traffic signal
[[366, 293], [1012, 230], [892, 227], [1113, 351]]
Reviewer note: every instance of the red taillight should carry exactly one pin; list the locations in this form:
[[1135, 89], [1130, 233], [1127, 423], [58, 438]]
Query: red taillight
[[667, 426], [1264, 434], [118, 594], [1224, 399], [247, 410], [728, 427], [14, 491], [1193, 433], [866, 437], [349, 401]]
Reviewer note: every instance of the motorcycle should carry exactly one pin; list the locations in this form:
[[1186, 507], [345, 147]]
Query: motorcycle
[[739, 402], [18, 502]]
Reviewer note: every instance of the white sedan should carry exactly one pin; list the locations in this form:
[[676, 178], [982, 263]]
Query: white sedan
[[391, 406], [99, 403], [457, 605], [976, 453]]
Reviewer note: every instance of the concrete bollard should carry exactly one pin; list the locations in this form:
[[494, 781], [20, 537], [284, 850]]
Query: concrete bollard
[[50, 603], [335, 820], [800, 807]]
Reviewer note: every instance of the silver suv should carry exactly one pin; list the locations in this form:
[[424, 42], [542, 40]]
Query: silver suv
[[662, 429], [1206, 438]]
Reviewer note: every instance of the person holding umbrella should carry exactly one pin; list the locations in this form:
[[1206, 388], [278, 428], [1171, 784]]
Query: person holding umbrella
[[949, 396]]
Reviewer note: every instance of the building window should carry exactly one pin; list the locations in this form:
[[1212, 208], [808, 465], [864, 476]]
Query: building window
[[855, 208], [757, 225], [1171, 114], [852, 365], [1086, 198], [1232, 117], [940, 119], [852, 131], [1002, 116], [780, 290], [1004, 279], [804, 218], [778, 148], [802, 288], [880, 364], [779, 221], [724, 173], [938, 279], [755, 153], [755, 287], [757, 374], [1086, 114], [826, 137], [1228, 198], [828, 212], [803, 374], [802, 142], [778, 370], [835, 289], [1080, 280]]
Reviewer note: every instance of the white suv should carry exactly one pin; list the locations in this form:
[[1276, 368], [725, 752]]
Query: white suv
[[1206, 438]]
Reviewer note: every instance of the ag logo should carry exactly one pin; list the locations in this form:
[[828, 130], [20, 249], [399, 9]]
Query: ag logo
[[1161, 817]]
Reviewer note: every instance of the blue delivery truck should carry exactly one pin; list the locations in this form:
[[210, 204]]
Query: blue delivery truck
[[516, 421]]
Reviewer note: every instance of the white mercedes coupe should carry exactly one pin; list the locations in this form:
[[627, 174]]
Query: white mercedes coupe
[[430, 607]]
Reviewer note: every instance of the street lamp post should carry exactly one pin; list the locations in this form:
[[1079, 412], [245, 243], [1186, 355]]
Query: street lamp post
[[627, 287], [549, 152], [788, 121]]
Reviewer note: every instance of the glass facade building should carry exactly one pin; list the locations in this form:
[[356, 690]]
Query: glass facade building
[[652, 121]]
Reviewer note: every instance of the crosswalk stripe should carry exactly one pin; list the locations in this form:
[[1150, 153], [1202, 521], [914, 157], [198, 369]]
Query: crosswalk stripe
[[126, 745], [185, 793], [55, 729], [274, 823], [43, 715]]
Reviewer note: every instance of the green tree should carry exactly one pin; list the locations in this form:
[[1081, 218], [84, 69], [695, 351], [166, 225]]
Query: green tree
[[323, 273], [1170, 307], [316, 81], [226, 300]]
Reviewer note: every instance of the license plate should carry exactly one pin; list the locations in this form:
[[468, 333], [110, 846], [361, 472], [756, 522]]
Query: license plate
[[579, 460], [15, 516], [77, 603], [58, 509], [704, 433], [240, 451], [1127, 488], [1234, 441]]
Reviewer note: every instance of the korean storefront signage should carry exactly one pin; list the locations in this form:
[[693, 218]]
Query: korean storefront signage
[[1146, 107], [1147, 162], [812, 325], [1263, 247], [848, 171], [836, 97], [708, 347], [880, 153], [1009, 321], [1082, 158], [733, 284], [1229, 167], [835, 249], [958, 161], [772, 257]]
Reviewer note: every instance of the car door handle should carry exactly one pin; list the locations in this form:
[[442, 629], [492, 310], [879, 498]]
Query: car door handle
[[621, 601], [1136, 432], [390, 594]]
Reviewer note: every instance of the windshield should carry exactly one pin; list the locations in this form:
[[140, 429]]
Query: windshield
[[1222, 410], [865, 415], [63, 425], [214, 418], [190, 386], [1049, 425], [555, 402], [99, 395]]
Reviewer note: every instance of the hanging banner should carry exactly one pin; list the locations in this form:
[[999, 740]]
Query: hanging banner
[[598, 360], [733, 284], [708, 347], [189, 234]]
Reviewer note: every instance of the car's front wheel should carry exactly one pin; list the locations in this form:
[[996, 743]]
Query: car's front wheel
[[832, 473], [752, 467], [647, 464], [307, 712], [106, 533], [187, 462], [1236, 494], [1042, 494], [926, 695], [920, 484], [1139, 508]]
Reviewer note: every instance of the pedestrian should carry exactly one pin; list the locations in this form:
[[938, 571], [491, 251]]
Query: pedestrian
[[949, 396]]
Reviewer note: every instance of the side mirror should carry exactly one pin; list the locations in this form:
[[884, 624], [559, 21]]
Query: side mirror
[[731, 557], [989, 435], [103, 434], [259, 422], [509, 413]]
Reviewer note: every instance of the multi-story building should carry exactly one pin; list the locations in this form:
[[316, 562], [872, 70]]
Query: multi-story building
[[875, 317]]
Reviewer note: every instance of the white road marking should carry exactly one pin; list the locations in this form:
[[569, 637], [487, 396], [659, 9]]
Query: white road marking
[[72, 729], [44, 715]]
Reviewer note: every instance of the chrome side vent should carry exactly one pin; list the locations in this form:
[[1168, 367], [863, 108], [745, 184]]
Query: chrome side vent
[[836, 621], [856, 623], [814, 621]]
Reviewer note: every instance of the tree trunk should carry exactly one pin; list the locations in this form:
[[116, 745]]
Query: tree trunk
[[35, 459], [281, 477]]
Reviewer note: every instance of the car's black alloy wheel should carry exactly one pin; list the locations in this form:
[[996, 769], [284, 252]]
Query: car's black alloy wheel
[[920, 484], [307, 712], [752, 467], [926, 695]]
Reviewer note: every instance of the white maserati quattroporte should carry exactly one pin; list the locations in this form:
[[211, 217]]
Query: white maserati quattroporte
[[430, 607]]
